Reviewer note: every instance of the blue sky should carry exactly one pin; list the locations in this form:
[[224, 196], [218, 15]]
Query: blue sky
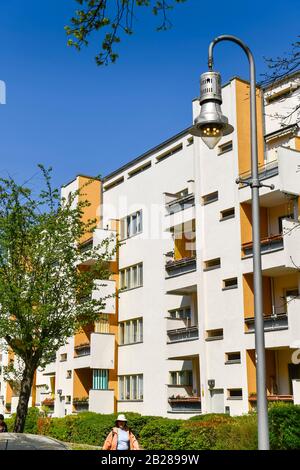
[[64, 111]]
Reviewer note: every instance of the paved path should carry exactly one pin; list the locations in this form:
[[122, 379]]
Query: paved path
[[15, 441]]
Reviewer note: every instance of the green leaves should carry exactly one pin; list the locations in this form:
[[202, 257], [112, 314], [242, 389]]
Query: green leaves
[[40, 279], [115, 17]]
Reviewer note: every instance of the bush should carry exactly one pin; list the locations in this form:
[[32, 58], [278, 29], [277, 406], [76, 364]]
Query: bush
[[31, 420], [196, 437], [238, 433], [284, 425], [160, 434]]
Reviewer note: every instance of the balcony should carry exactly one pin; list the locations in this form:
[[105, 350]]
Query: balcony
[[177, 267], [98, 354], [185, 404], [180, 212], [183, 334], [81, 350], [274, 322], [282, 172], [81, 404], [274, 242], [272, 398], [280, 252]]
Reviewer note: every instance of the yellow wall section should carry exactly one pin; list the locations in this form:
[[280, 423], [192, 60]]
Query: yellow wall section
[[297, 143], [243, 125], [249, 295], [82, 383], [92, 193], [246, 222]]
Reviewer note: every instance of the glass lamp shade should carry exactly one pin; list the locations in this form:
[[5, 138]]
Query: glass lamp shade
[[211, 134]]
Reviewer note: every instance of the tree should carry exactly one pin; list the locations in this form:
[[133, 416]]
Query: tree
[[113, 17], [44, 295], [280, 68]]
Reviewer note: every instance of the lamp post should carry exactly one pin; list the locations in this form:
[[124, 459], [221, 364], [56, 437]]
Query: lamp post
[[211, 125]]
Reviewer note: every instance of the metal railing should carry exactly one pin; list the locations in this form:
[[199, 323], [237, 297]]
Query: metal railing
[[265, 171], [183, 334], [273, 242], [181, 203], [189, 404], [273, 322], [174, 267]]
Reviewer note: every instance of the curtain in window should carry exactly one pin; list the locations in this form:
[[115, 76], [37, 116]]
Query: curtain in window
[[100, 379]]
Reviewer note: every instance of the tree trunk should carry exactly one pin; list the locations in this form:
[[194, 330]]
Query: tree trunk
[[26, 385]]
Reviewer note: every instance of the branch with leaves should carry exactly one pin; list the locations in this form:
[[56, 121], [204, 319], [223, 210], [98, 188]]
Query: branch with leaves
[[112, 18]]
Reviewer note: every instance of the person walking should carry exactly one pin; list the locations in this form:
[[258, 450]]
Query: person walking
[[120, 437], [3, 425]]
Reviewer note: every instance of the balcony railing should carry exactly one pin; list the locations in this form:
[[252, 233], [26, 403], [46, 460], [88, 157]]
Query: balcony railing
[[181, 203], [82, 350], [274, 242], [81, 403], [188, 404], [264, 171], [278, 321], [175, 267], [272, 398], [183, 334]]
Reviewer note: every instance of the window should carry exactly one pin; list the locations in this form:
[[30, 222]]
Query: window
[[225, 147], [131, 331], [132, 277], [63, 357], [69, 374], [102, 324], [211, 197], [227, 214], [231, 283], [212, 264], [180, 313], [68, 399], [113, 184], [131, 225], [100, 379], [190, 141], [182, 377], [235, 393], [170, 152], [138, 170], [213, 335], [233, 358], [279, 94], [131, 387]]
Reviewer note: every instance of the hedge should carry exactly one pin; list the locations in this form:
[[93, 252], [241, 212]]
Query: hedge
[[211, 431]]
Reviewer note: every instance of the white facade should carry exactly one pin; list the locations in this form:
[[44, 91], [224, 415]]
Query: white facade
[[193, 352]]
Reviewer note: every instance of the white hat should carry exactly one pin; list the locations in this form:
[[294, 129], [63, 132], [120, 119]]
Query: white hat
[[121, 418]]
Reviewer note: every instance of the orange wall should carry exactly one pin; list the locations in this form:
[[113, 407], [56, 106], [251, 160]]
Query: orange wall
[[270, 370], [243, 125], [83, 336], [92, 193], [246, 222], [249, 295], [82, 383]]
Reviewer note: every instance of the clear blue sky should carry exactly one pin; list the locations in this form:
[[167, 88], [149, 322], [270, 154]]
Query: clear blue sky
[[64, 111]]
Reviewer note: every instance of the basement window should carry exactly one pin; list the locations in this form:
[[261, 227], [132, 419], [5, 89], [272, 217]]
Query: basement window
[[63, 357], [231, 283], [69, 374], [227, 214], [233, 358], [211, 197], [214, 335], [234, 394], [170, 152], [212, 264], [227, 147]]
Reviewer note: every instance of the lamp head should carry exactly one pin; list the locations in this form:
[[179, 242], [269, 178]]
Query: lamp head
[[211, 125]]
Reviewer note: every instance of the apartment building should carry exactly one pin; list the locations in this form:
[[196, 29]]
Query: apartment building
[[178, 337]]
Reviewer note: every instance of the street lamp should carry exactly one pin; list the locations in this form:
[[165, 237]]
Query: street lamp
[[211, 125]]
